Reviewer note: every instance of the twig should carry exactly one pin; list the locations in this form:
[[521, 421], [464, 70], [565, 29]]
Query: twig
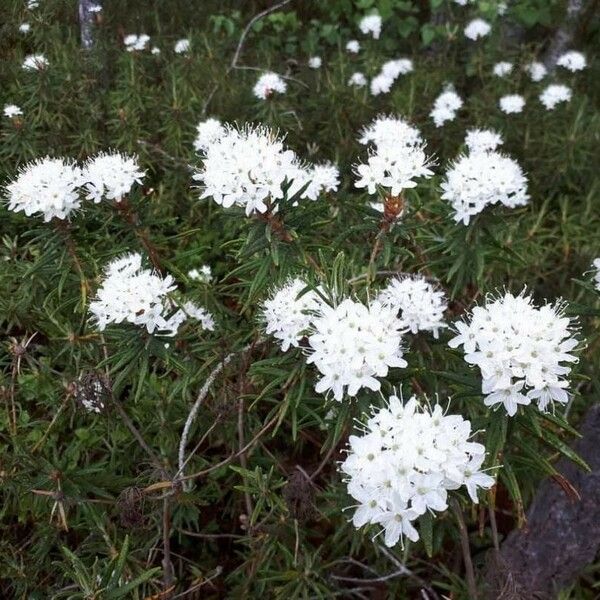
[[253, 20], [466, 551], [41, 441], [211, 536], [166, 563], [243, 459], [380, 579], [196, 406], [172, 159]]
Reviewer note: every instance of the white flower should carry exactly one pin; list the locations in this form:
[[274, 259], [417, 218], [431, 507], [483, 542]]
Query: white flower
[[480, 179], [35, 62], [357, 79], [134, 42], [269, 84], [24, 27], [477, 28], [596, 266], [395, 68], [406, 461], [419, 305], [537, 71], [394, 167], [502, 69], [512, 103], [520, 350], [182, 46], [155, 50], [288, 312], [49, 186], [445, 107], [203, 274], [315, 62], [31, 4], [353, 344], [95, 8], [572, 60], [554, 94], [322, 178], [371, 24], [110, 176], [387, 130], [12, 110], [250, 168], [132, 294], [353, 47], [381, 84], [208, 132], [482, 140]]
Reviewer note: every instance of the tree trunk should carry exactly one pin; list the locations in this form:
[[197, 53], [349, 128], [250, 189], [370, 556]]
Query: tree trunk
[[562, 535], [87, 19]]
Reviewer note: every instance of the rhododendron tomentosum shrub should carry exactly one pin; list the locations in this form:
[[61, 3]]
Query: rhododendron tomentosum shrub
[[536, 70], [502, 69], [480, 179], [111, 176], [405, 463], [352, 344], [477, 28], [11, 111], [251, 168], [419, 305], [129, 293], [520, 349], [288, 312], [48, 186], [513, 103]]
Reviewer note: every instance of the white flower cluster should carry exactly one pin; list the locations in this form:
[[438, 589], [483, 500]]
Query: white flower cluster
[[269, 84], [203, 274], [49, 186], [512, 103], [555, 94], [390, 130], [352, 344], [182, 46], [353, 46], [394, 162], [12, 110], [477, 28], [136, 43], [482, 140], [596, 265], [502, 69], [445, 107], [371, 24], [208, 132], [315, 62], [248, 167], [390, 71], [139, 296], [405, 463], [288, 313], [572, 60], [35, 62], [419, 305], [110, 176], [357, 79], [520, 350], [24, 27], [536, 70], [479, 179]]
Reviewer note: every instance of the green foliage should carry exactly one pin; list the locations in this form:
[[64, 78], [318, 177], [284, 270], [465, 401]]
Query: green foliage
[[85, 506]]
